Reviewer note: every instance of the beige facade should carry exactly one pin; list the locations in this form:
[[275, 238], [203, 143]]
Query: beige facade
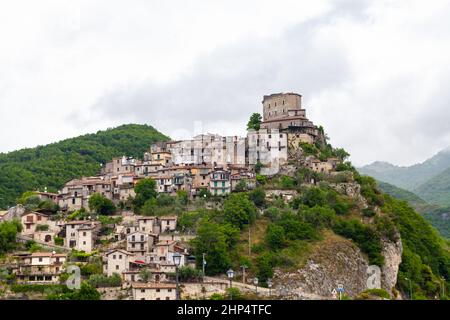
[[139, 243], [118, 261], [168, 223], [40, 267], [81, 235], [31, 220], [147, 224], [154, 291]]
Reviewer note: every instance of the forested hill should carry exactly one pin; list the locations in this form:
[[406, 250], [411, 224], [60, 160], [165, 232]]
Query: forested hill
[[54, 164]]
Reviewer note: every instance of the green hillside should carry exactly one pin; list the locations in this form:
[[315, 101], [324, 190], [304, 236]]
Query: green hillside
[[54, 164], [438, 217], [436, 190]]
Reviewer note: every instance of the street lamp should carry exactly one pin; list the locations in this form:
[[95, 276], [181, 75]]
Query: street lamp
[[255, 282], [176, 261], [230, 274], [410, 288], [269, 284]]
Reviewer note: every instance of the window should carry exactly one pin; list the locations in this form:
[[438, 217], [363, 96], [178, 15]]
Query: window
[[40, 259], [169, 290], [84, 243], [143, 290], [167, 298], [117, 267], [84, 234], [158, 290], [120, 256], [39, 218], [114, 257]]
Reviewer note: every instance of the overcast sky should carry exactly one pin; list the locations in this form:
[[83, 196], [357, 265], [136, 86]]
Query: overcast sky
[[375, 73]]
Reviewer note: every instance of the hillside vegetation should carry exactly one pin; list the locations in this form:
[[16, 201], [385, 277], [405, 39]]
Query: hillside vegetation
[[438, 217], [54, 164]]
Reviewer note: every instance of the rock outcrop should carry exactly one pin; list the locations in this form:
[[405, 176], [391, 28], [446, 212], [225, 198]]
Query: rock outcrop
[[335, 261]]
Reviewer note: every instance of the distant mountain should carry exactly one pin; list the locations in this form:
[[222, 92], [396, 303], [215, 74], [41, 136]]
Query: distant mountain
[[437, 216], [436, 190], [409, 178], [54, 164]]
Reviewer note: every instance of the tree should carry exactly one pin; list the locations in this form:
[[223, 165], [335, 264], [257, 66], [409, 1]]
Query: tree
[[183, 197], [258, 196], [145, 274], [212, 241], [264, 264], [145, 190], [101, 205], [239, 210], [8, 233], [241, 186], [275, 236], [254, 122]]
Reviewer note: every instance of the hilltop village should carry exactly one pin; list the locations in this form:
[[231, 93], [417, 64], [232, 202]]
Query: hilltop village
[[143, 254]]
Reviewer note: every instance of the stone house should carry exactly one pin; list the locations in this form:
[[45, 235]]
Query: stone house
[[81, 235], [117, 261], [31, 220], [167, 223], [139, 243], [154, 291]]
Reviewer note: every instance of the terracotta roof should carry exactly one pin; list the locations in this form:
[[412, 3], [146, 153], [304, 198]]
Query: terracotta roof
[[153, 285], [118, 250]]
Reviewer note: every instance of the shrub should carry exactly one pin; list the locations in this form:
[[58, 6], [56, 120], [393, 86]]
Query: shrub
[[42, 227], [364, 236], [103, 281], [258, 196], [275, 236]]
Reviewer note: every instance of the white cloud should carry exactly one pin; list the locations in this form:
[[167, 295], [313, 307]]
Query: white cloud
[[374, 73]]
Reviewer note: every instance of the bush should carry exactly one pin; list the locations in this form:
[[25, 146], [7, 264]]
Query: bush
[[264, 265], [101, 205], [275, 236], [258, 196], [320, 217], [287, 182], [42, 227], [103, 281], [364, 236]]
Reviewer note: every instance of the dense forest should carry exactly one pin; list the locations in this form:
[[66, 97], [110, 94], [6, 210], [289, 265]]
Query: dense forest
[[437, 216], [54, 164]]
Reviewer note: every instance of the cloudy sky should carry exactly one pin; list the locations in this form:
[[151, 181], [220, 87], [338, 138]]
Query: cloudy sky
[[375, 73]]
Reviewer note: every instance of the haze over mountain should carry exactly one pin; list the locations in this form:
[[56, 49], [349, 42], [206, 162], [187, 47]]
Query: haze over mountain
[[412, 177]]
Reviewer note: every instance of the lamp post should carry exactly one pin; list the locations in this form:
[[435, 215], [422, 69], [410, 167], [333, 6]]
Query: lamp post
[[269, 284], [230, 274], [255, 282], [176, 261], [410, 289]]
